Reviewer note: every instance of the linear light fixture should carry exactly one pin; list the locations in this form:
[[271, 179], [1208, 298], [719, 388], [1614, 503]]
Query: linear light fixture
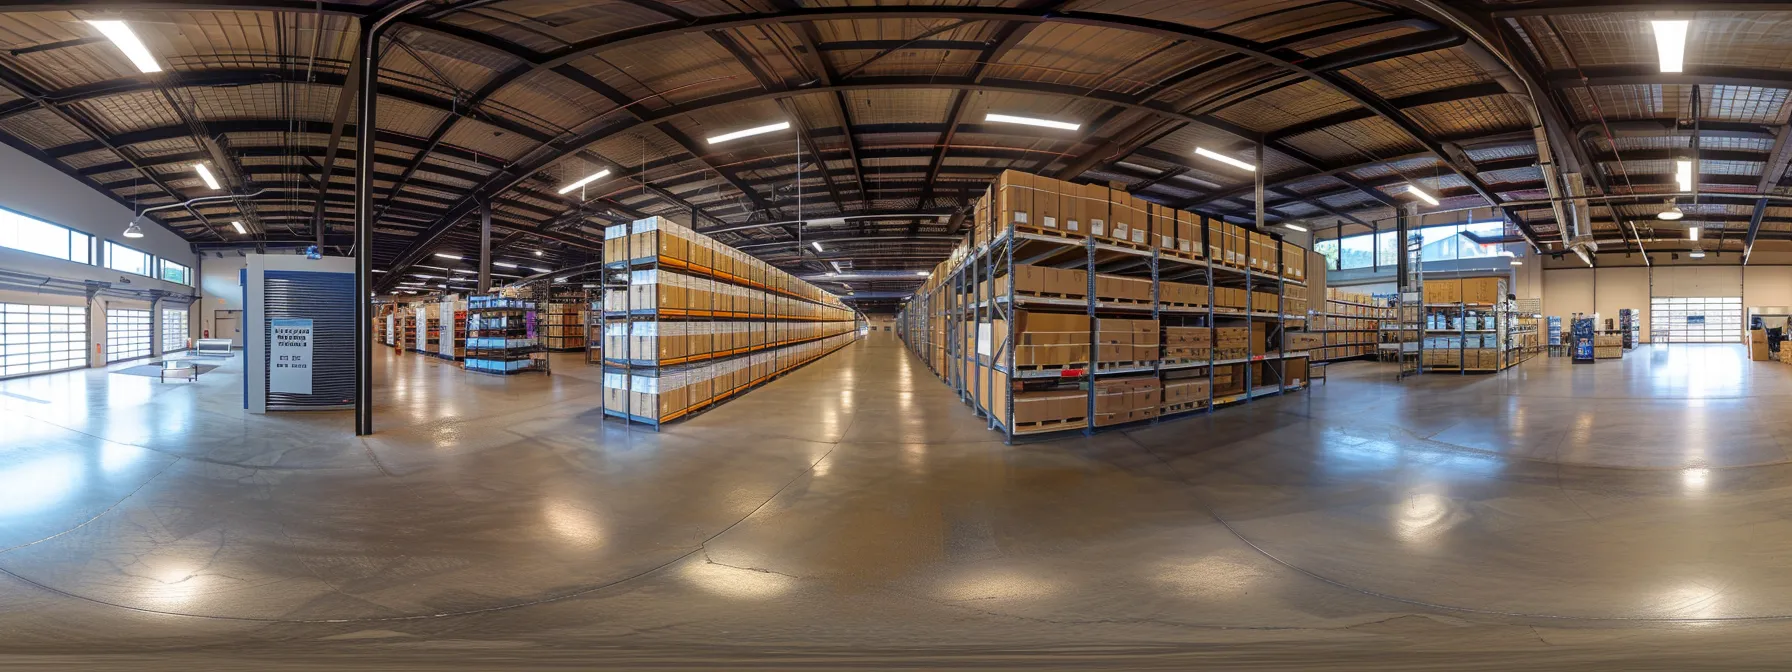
[[206, 174], [588, 179], [1420, 194], [446, 255], [239, 228], [758, 130], [503, 264], [1692, 233], [817, 245], [1222, 158], [1296, 227], [1670, 44], [1683, 174], [541, 270], [125, 39], [1516, 262], [1030, 121], [426, 275], [923, 273]]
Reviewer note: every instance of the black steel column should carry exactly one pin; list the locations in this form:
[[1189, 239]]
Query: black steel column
[[367, 53], [1402, 223], [485, 247]]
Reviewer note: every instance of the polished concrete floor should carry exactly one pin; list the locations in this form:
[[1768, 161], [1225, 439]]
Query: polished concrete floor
[[1623, 515]]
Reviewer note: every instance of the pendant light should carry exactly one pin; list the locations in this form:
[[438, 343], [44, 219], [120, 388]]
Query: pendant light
[[1671, 214], [132, 230]]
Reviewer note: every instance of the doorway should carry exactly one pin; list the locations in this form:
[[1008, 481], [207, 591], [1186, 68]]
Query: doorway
[[1695, 319], [229, 325]]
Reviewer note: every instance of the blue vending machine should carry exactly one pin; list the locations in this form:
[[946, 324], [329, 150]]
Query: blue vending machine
[[1583, 339]]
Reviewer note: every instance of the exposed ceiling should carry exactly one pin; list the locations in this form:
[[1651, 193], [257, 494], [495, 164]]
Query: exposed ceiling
[[506, 101]]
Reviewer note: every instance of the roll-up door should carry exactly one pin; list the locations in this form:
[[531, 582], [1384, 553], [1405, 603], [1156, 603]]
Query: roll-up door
[[41, 339], [328, 300]]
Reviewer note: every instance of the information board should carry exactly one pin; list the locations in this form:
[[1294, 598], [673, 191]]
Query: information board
[[289, 356]]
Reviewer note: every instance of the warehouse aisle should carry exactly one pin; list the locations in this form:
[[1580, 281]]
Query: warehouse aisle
[[855, 512]]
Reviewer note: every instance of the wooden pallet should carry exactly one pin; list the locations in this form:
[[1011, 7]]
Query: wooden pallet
[[1047, 367], [1050, 295], [1043, 426], [1068, 236], [1183, 407], [1128, 364], [1197, 361], [1142, 303], [1142, 247]]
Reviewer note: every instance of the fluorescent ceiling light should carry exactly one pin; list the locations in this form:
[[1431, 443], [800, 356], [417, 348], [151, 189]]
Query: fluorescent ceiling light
[[206, 174], [1222, 158], [1670, 44], [923, 273], [425, 275], [121, 35], [1692, 233], [378, 271], [541, 270], [1516, 262], [239, 228], [588, 179], [445, 255], [1029, 121], [1683, 174], [504, 264], [538, 253], [588, 286], [560, 279], [1296, 227], [1420, 193], [817, 245], [760, 130]]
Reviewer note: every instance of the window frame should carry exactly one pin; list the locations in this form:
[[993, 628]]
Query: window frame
[[73, 236], [186, 272], [150, 262]]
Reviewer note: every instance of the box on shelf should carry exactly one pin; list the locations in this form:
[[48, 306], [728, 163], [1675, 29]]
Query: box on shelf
[[1181, 293], [1299, 340], [1122, 400], [1122, 288], [1045, 281], [1047, 406], [1185, 390]]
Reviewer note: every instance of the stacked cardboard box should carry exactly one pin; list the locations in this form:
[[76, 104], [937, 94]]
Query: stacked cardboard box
[[1187, 343], [1228, 297], [1296, 341], [1047, 339], [1032, 409], [1228, 379], [1126, 340], [1181, 294], [1184, 393], [1231, 343], [1123, 400], [1045, 281], [1122, 288], [1465, 290]]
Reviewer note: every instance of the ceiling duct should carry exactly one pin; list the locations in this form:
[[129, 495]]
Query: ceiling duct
[[1579, 232]]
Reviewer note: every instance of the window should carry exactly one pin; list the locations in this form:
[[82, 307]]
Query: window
[[1356, 252], [121, 258], [175, 273], [41, 339], [39, 237], [1469, 249], [1438, 243], [127, 334], [1387, 249], [1329, 248], [174, 329]]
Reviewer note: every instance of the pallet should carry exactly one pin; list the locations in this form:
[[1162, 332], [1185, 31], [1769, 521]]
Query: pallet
[[1182, 306], [1044, 426], [1077, 237], [1050, 367], [1142, 303], [1183, 407], [1191, 361], [1142, 247], [1050, 295], [1124, 364]]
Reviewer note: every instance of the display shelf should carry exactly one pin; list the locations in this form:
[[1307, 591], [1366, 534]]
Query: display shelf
[[502, 336]]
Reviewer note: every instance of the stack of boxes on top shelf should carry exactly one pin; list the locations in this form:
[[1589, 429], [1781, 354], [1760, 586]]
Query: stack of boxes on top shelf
[[700, 321], [1351, 324]]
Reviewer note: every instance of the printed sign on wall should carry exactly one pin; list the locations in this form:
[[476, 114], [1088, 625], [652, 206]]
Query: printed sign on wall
[[289, 356]]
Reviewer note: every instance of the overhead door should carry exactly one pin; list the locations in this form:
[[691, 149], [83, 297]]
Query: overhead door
[[127, 334], [1695, 319], [174, 330], [41, 339]]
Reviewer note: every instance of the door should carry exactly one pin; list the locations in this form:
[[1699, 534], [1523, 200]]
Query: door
[[41, 339], [1695, 319], [127, 334], [174, 330], [230, 325]]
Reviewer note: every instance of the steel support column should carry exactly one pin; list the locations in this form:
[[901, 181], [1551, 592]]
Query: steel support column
[[485, 247], [367, 53]]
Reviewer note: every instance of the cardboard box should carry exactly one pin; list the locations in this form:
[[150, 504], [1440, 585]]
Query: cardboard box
[[1014, 197], [1092, 204], [1050, 406], [1299, 340], [1447, 290], [1757, 351], [1188, 235]]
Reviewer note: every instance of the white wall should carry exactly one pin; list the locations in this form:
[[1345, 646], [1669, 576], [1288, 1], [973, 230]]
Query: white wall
[[219, 291], [1767, 288]]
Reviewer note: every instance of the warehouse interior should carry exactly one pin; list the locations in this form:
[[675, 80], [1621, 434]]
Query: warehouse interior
[[1055, 334]]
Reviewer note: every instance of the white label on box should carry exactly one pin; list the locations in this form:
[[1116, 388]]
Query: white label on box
[[984, 336], [1138, 236], [1070, 225], [1184, 246], [1021, 218], [1169, 242], [1051, 222]]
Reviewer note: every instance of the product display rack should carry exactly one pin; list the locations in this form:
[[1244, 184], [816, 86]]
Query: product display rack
[[1352, 325], [962, 321], [563, 324], [594, 325], [501, 335], [1462, 336], [407, 328], [688, 323], [460, 335]]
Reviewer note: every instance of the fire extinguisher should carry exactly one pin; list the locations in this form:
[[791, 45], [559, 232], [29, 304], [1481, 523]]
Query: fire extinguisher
[[205, 333]]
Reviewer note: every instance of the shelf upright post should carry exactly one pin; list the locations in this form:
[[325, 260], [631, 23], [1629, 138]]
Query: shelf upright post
[[1212, 322], [1156, 312], [1013, 375], [1281, 330], [1094, 344], [1250, 324]]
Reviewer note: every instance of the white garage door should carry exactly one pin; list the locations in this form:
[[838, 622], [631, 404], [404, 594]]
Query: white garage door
[[1695, 319], [127, 334], [41, 339]]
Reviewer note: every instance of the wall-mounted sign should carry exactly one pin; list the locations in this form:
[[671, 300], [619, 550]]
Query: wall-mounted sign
[[289, 356]]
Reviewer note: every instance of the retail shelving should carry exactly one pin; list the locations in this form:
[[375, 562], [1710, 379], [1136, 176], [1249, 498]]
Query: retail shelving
[[593, 314], [1351, 324], [501, 335], [688, 323], [1468, 326], [563, 325], [1154, 313]]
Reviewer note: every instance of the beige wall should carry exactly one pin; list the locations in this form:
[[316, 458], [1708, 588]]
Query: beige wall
[[1607, 289], [1568, 291]]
